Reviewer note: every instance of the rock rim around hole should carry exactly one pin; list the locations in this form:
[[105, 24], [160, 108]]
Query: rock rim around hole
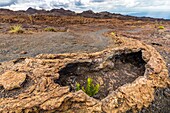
[[110, 73], [11, 80], [47, 96]]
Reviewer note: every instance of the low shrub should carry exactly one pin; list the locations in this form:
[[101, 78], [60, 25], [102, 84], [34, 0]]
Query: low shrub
[[16, 29], [50, 29], [161, 27], [31, 18], [112, 33]]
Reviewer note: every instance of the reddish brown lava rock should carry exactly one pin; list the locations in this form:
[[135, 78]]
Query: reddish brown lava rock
[[11, 80], [47, 95]]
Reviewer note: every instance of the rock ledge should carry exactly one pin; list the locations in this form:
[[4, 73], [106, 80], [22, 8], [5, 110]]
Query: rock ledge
[[47, 96]]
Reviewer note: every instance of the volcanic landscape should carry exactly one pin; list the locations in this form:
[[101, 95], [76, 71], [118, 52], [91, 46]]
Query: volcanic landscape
[[76, 42]]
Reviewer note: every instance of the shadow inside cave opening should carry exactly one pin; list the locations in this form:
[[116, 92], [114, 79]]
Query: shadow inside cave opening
[[118, 70]]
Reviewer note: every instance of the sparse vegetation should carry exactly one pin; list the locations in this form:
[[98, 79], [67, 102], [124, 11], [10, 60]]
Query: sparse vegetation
[[90, 89], [112, 33], [16, 29], [50, 29], [78, 87], [31, 19], [161, 27]]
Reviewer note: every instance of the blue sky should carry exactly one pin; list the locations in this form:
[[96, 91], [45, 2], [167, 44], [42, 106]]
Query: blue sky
[[133, 7]]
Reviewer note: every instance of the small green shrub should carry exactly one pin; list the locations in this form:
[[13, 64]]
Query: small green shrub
[[50, 29], [161, 27], [90, 89], [78, 87], [16, 29], [113, 33]]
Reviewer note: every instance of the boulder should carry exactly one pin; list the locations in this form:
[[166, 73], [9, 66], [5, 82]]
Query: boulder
[[11, 80]]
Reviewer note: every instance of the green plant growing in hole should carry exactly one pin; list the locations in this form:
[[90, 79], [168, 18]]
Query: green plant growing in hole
[[50, 29], [90, 89], [78, 87], [16, 29], [161, 27]]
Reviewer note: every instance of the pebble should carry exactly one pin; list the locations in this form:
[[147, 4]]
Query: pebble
[[23, 52], [167, 92]]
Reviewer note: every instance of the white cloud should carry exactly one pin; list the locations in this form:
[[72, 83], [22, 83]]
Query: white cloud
[[96, 5], [6, 2]]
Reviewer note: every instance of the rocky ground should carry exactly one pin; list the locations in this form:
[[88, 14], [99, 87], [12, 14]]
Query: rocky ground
[[84, 32], [15, 46]]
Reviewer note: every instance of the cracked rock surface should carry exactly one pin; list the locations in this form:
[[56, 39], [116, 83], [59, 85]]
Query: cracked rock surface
[[45, 95], [11, 80]]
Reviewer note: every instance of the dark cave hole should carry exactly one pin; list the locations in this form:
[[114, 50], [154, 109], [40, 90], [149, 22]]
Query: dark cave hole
[[125, 68]]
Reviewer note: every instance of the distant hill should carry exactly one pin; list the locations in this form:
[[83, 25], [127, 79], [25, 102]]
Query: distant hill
[[87, 14]]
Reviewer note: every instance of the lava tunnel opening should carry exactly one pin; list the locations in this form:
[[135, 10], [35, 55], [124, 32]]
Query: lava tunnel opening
[[119, 70]]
